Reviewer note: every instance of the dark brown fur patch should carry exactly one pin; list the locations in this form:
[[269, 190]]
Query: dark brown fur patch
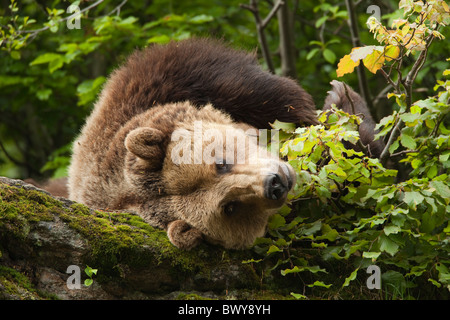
[[339, 97]]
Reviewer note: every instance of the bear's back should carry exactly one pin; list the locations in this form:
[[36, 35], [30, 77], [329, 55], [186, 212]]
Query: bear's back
[[201, 71]]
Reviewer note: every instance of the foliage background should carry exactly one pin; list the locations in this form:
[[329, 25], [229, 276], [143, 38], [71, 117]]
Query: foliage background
[[50, 78]]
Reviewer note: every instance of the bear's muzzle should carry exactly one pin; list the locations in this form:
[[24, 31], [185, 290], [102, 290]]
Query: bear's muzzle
[[277, 184]]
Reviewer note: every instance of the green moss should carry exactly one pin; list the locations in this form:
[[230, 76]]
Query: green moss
[[19, 207], [191, 296], [117, 238], [15, 285], [116, 241]]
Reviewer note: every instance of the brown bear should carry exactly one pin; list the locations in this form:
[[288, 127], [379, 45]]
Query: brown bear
[[140, 148], [351, 102]]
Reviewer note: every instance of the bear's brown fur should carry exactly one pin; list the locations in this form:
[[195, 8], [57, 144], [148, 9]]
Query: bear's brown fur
[[123, 158], [192, 201], [340, 97]]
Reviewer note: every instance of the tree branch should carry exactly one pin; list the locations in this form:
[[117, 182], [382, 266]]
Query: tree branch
[[272, 13], [412, 74], [353, 24], [394, 135], [72, 16], [287, 51], [260, 25]]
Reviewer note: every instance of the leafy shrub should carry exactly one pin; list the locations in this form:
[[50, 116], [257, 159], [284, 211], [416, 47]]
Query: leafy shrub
[[349, 211]]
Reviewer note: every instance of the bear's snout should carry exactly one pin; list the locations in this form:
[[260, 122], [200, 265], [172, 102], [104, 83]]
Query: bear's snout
[[277, 184]]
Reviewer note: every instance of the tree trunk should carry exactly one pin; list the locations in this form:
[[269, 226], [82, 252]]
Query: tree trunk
[[287, 49], [45, 239]]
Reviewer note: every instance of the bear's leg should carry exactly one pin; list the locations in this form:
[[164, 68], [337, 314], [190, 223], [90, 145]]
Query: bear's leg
[[182, 235]]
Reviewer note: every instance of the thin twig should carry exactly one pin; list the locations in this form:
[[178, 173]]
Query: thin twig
[[72, 16], [382, 94], [400, 153], [393, 137], [260, 25], [272, 13]]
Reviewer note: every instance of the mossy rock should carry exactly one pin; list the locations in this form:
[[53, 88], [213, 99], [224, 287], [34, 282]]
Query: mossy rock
[[41, 234]]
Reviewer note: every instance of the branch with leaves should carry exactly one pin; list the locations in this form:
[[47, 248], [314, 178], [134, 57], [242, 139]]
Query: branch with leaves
[[15, 36], [408, 36], [281, 10]]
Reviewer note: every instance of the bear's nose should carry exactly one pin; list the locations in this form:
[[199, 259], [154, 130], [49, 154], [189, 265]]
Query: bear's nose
[[278, 181], [275, 188]]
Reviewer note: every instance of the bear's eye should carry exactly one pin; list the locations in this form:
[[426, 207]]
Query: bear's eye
[[222, 166], [229, 208]]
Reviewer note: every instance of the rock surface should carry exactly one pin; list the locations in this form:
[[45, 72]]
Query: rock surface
[[41, 236]]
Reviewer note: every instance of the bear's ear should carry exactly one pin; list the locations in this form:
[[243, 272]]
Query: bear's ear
[[145, 143]]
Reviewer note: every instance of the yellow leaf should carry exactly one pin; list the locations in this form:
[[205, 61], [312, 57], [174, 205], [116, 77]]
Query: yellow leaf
[[405, 30], [374, 61], [346, 65], [360, 53], [391, 52], [445, 6]]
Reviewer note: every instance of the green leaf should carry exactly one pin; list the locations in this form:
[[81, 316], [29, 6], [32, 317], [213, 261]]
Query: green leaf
[[410, 118], [276, 221], [316, 226], [202, 18], [329, 56], [432, 172], [312, 53], [444, 274], [54, 60], [350, 278], [296, 269], [293, 270], [88, 282], [321, 21], [43, 94], [391, 230], [161, 39], [394, 279], [319, 284], [284, 126], [407, 141], [89, 271], [251, 261], [15, 55], [387, 245], [87, 90], [45, 58], [273, 249], [394, 146], [436, 283], [371, 255], [441, 188], [413, 198], [298, 296]]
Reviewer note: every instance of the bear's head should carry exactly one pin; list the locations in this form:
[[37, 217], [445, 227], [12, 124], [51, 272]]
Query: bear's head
[[216, 181]]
